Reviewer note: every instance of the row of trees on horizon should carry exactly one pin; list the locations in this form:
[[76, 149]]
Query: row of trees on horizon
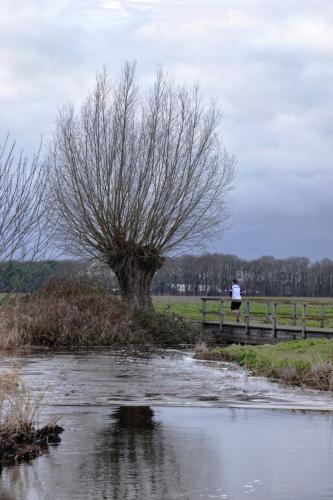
[[207, 274], [212, 274]]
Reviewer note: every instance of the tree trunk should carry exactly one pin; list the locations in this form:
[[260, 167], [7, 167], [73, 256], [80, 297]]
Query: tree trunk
[[135, 272]]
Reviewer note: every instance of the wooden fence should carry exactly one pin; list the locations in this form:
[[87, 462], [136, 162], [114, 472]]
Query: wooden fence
[[274, 318]]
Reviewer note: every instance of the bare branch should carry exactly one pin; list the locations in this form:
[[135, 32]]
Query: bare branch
[[138, 176], [24, 208]]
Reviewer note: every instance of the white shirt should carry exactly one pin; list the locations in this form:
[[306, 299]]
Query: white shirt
[[236, 292]]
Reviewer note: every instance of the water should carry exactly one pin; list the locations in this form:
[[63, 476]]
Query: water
[[172, 378], [189, 430]]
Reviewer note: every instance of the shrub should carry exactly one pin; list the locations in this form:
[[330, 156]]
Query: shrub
[[166, 330], [71, 313]]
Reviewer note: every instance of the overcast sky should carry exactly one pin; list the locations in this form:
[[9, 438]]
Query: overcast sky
[[269, 63]]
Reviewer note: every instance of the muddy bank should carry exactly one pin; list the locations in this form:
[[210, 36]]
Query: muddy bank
[[27, 444]]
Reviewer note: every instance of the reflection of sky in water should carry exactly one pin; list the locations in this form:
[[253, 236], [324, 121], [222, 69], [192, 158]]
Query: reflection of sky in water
[[143, 453]]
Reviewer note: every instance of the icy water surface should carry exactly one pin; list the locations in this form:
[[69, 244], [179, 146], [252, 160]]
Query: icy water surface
[[169, 427], [172, 378]]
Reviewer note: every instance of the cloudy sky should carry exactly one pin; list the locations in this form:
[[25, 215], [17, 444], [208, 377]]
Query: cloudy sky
[[269, 63]]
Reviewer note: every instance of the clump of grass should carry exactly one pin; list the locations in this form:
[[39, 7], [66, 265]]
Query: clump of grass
[[305, 362], [19, 412], [78, 313]]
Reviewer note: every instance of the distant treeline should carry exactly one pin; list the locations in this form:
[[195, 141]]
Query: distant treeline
[[208, 274], [211, 274], [30, 276]]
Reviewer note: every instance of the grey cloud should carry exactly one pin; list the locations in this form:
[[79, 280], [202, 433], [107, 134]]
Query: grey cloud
[[268, 63]]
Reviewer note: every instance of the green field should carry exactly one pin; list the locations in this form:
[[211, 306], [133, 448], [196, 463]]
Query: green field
[[317, 315]]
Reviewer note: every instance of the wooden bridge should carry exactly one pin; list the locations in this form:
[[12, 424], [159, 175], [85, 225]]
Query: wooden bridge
[[268, 320]]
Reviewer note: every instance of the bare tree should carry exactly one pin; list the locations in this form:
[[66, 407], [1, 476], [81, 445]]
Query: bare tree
[[138, 176], [23, 205]]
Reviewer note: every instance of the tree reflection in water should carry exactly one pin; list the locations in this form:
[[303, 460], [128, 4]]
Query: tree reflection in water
[[5, 495], [136, 461], [129, 454]]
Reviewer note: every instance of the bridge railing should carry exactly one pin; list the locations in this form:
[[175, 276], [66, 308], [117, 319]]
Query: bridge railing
[[299, 314]]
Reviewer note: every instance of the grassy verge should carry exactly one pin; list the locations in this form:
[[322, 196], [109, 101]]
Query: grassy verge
[[82, 313], [305, 362], [19, 438]]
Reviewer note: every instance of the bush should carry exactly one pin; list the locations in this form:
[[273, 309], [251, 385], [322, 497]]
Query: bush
[[166, 330], [70, 313]]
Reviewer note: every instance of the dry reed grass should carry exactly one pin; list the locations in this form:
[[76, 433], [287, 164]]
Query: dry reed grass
[[18, 410], [65, 314], [19, 413], [78, 313]]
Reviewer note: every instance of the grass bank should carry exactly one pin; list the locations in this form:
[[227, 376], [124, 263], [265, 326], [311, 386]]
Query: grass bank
[[306, 362], [20, 440], [79, 313]]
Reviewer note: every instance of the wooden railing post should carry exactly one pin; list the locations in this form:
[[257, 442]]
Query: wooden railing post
[[203, 310], [303, 321], [247, 317], [267, 312], [222, 314], [295, 314], [274, 319], [322, 316]]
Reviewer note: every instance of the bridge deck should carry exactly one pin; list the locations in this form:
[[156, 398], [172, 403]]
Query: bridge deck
[[265, 326], [259, 333]]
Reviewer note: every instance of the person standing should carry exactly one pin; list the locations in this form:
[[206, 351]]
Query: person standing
[[236, 298]]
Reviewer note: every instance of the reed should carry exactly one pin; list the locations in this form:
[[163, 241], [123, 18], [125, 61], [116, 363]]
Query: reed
[[18, 410], [20, 439], [79, 313]]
